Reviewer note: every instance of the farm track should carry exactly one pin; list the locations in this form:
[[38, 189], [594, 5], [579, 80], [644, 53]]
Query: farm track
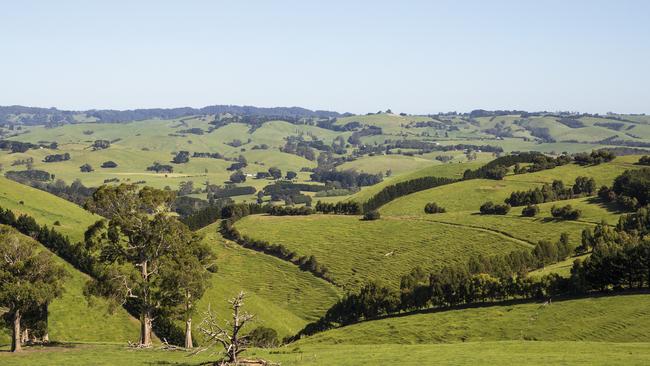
[[526, 243]]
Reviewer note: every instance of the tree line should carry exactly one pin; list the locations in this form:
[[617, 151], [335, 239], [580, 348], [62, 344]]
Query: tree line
[[339, 208], [397, 190], [584, 186]]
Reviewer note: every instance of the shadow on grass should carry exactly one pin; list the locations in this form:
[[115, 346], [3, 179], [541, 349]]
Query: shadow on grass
[[4, 348], [612, 207]]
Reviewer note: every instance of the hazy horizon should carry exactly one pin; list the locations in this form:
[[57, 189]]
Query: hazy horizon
[[416, 57]]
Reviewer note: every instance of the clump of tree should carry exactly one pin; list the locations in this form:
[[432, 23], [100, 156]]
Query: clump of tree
[[160, 168], [395, 191], [290, 211], [275, 173], [433, 208], [566, 212], [212, 155], [56, 158], [594, 158], [109, 164], [238, 177], [17, 146], [489, 208], [237, 166], [584, 186], [193, 130], [101, 144], [230, 190], [86, 168], [371, 215], [340, 208], [444, 158], [235, 143], [181, 157], [29, 281], [634, 184], [530, 211], [23, 176], [498, 168], [346, 179], [207, 215], [608, 195]]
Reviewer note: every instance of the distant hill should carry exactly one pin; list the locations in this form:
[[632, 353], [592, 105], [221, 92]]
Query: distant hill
[[40, 116]]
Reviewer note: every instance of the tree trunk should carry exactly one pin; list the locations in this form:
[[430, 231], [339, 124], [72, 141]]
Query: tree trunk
[[145, 329], [188, 333], [145, 318], [16, 334]]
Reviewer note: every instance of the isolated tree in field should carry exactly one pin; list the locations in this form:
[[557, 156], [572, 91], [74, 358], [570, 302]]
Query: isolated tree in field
[[28, 279], [187, 279], [232, 342], [137, 249]]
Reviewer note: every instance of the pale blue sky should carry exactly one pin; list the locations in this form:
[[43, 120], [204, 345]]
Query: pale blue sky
[[356, 56]]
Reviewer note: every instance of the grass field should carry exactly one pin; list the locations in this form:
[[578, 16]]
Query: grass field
[[356, 251], [471, 354]]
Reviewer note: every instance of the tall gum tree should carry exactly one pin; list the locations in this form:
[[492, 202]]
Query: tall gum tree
[[137, 250]]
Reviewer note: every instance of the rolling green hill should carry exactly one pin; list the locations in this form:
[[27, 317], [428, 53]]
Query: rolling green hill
[[356, 251], [282, 296], [477, 191], [45, 208]]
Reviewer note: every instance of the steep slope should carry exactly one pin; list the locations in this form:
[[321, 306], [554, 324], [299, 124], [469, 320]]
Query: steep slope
[[280, 295]]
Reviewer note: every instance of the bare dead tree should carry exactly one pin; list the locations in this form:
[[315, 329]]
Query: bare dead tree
[[228, 336]]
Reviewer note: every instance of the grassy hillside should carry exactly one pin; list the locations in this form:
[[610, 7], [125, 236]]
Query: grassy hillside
[[45, 208], [356, 251], [73, 319], [280, 295], [451, 170], [477, 191], [623, 318]]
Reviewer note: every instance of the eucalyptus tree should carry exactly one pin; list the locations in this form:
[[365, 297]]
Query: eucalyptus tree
[[140, 249], [29, 279]]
